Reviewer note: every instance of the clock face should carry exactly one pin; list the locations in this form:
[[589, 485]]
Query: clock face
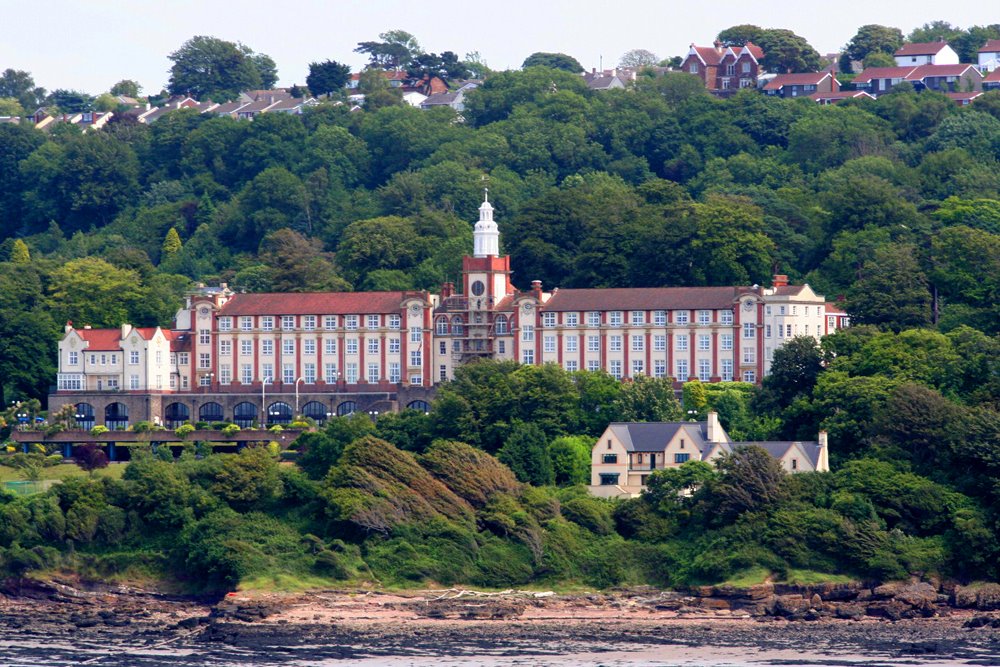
[[748, 305], [478, 288], [203, 310]]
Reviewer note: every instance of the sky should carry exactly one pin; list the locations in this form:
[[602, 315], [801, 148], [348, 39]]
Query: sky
[[89, 45]]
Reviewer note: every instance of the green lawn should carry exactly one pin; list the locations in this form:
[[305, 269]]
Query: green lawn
[[758, 575], [61, 471]]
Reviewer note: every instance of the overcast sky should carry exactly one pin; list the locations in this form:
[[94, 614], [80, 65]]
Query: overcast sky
[[89, 45]]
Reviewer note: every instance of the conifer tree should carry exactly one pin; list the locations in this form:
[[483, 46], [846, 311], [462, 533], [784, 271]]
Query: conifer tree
[[171, 243], [19, 253]]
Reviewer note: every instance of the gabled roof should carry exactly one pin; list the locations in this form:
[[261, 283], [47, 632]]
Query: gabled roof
[[642, 298], [993, 77], [654, 436], [991, 46], [778, 449], [753, 50], [883, 73], [834, 309], [924, 71], [804, 79], [921, 49], [314, 303], [101, 339], [441, 99], [708, 55], [603, 82]]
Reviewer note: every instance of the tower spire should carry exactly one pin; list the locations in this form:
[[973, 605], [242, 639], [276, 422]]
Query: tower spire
[[486, 237]]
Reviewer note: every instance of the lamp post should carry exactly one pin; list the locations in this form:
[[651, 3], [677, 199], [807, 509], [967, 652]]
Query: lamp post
[[692, 415], [263, 400], [297, 396]]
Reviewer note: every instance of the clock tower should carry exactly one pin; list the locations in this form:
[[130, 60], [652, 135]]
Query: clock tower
[[485, 282]]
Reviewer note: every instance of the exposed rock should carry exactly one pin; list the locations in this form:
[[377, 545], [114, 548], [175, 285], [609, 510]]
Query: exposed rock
[[917, 595], [790, 605]]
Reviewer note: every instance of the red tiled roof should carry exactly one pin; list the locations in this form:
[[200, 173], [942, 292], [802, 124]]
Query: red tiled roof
[[991, 46], [314, 303], [833, 309], [101, 339], [642, 298], [883, 73], [788, 290], [925, 71], [754, 50], [708, 54], [804, 79], [921, 49], [993, 76], [964, 96]]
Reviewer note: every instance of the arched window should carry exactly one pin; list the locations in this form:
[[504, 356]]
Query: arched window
[[211, 412], [176, 414], [279, 412], [456, 326], [422, 406], [501, 325], [315, 411], [347, 408], [442, 326], [244, 414], [84, 416], [116, 417]]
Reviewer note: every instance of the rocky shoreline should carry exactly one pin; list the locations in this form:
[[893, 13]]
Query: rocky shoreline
[[58, 622]]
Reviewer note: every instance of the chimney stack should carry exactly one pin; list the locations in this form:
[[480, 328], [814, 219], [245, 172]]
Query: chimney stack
[[823, 463], [126, 330], [447, 289], [713, 429], [779, 280], [536, 289], [68, 327]]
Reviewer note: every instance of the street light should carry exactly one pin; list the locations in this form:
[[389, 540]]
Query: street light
[[297, 395], [263, 400], [692, 415]]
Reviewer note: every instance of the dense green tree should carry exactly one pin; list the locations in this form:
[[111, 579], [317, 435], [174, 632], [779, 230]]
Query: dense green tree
[[739, 35], [571, 459], [892, 291], [27, 353], [395, 51], [872, 38], [327, 77], [784, 51], [553, 61], [127, 87], [321, 450], [21, 86], [90, 291], [526, 452], [748, 480], [209, 68]]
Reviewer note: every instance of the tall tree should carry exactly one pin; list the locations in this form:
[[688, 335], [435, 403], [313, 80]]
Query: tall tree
[[784, 51], [638, 58], [871, 38], [126, 87], [95, 292], [19, 84], [553, 60], [394, 52], [892, 292], [327, 77], [526, 452], [738, 35], [209, 68]]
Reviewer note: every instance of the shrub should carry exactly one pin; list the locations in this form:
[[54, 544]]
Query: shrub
[[99, 430], [469, 472], [90, 457], [184, 430], [591, 513], [229, 430]]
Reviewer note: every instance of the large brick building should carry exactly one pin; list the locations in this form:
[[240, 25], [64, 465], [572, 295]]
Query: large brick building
[[266, 357]]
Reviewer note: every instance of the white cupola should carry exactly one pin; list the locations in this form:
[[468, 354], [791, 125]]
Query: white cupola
[[486, 237]]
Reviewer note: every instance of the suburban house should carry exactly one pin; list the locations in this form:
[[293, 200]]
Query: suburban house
[[992, 80], [958, 78], [605, 80], [964, 99], [724, 70], [414, 98], [925, 53], [989, 56], [228, 352], [834, 98], [802, 85], [454, 100], [946, 78], [627, 452]]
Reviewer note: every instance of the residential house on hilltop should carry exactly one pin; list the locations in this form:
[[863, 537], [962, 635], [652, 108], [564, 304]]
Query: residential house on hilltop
[[724, 70], [802, 85], [989, 56], [964, 99], [925, 53], [627, 452], [606, 80], [944, 78], [834, 98], [992, 80]]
